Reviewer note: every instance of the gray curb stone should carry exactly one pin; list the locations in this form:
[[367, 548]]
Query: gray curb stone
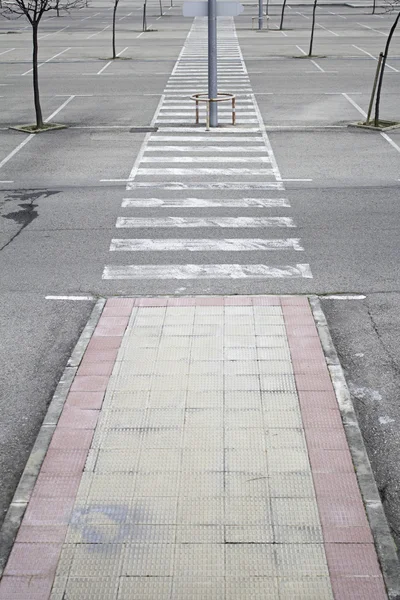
[[26, 484], [384, 542]]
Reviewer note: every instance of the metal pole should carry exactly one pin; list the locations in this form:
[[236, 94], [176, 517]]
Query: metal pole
[[212, 61], [260, 14]]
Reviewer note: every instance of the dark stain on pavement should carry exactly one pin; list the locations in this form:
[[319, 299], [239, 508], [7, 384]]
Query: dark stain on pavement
[[26, 201]]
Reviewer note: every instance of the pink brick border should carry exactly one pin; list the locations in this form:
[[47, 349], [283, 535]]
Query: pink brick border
[[350, 551], [32, 564]]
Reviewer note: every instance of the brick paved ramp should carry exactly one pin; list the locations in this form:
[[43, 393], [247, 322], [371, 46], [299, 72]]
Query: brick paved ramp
[[200, 454]]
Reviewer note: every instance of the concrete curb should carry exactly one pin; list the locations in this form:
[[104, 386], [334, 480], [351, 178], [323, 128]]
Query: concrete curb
[[13, 518], [384, 543]]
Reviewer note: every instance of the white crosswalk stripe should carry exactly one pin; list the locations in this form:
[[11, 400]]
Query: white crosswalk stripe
[[230, 172]]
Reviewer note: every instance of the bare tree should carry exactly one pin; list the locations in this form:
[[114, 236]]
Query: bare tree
[[312, 28], [384, 58], [116, 2], [34, 10], [282, 14]]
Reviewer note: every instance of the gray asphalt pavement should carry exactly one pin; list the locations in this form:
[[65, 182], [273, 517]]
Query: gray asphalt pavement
[[61, 194]]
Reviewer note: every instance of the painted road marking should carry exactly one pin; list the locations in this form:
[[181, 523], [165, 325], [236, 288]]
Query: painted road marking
[[32, 135], [5, 51], [54, 33], [204, 245], [183, 222], [182, 172], [217, 185], [46, 61], [209, 149], [204, 203], [222, 271], [373, 57], [202, 159], [111, 61], [198, 156], [98, 32]]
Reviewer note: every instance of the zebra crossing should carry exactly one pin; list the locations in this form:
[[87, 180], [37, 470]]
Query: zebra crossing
[[164, 232]]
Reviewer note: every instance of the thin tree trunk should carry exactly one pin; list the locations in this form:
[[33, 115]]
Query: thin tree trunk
[[282, 14], [312, 28], [38, 109], [385, 55], [113, 28], [373, 7]]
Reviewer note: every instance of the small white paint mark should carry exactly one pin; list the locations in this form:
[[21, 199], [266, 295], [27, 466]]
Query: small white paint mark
[[286, 179], [344, 297], [386, 420], [74, 298], [365, 393]]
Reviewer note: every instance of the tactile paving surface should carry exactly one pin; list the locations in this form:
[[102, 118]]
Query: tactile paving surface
[[201, 485]]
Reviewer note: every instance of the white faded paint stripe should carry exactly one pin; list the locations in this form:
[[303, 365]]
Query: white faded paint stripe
[[204, 245], [206, 139], [207, 159], [209, 149], [87, 298], [343, 297], [204, 203], [46, 61], [224, 271], [180, 185], [190, 222], [204, 171]]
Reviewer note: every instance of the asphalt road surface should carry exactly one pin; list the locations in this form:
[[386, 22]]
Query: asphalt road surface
[[105, 207]]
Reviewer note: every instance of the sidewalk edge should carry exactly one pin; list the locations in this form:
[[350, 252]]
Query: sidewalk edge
[[16, 510], [384, 543]]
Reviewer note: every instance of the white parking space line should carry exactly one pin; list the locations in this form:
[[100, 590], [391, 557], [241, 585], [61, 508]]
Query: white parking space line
[[53, 33], [204, 245], [364, 114], [98, 32], [6, 51], [326, 29], [111, 61], [59, 109], [372, 29], [374, 57], [391, 142], [32, 135], [356, 106], [46, 61], [220, 271]]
